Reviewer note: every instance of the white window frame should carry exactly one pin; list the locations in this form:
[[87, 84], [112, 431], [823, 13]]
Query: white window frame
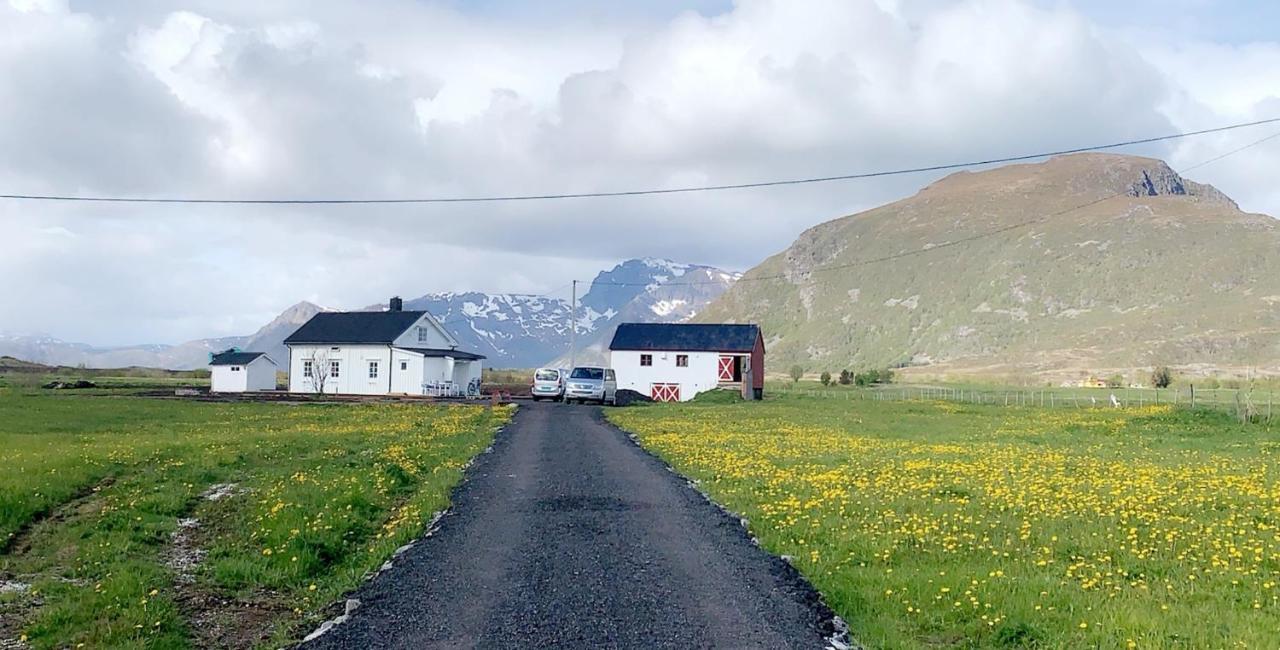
[[646, 358], [404, 364], [335, 368], [373, 369], [307, 368], [423, 334], [682, 361]]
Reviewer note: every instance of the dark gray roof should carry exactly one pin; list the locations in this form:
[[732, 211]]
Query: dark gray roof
[[685, 337], [355, 327], [436, 352], [235, 358]]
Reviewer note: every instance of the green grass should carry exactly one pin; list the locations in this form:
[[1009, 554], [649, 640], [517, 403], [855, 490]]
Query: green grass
[[92, 488], [940, 524]]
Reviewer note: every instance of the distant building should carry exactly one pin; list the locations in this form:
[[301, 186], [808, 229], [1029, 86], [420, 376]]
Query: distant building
[[379, 353], [1093, 382], [675, 362], [234, 371]]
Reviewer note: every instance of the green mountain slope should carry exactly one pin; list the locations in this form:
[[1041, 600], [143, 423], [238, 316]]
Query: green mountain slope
[[1168, 272]]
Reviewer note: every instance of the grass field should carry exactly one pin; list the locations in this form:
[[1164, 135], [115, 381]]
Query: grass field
[[937, 524], [128, 522]]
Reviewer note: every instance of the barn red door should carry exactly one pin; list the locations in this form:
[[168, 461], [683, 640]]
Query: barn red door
[[665, 392], [726, 368]]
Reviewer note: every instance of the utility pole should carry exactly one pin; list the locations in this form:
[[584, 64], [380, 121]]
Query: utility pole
[[573, 327]]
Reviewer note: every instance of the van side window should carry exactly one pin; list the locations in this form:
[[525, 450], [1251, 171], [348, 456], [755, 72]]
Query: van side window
[[609, 375]]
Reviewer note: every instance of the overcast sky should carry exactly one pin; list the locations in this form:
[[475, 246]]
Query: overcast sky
[[397, 98]]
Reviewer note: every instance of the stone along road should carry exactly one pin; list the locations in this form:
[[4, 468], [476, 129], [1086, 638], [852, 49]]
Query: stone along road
[[569, 535]]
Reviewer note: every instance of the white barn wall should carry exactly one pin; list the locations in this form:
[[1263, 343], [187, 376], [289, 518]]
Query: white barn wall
[[702, 374]]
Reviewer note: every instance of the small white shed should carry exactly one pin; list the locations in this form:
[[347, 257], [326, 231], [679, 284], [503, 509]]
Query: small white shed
[[233, 371]]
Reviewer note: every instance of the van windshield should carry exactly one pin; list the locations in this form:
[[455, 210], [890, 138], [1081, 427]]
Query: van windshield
[[587, 373], [547, 375]]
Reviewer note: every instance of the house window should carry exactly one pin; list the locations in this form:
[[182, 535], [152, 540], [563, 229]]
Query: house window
[[682, 361], [646, 359], [235, 368], [404, 365], [334, 368], [306, 368], [373, 370], [422, 334]]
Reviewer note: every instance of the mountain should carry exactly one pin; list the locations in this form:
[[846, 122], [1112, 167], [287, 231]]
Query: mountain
[[192, 354], [654, 291], [522, 331], [514, 331], [1125, 265]]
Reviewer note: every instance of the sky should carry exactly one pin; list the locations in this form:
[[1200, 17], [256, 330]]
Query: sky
[[421, 98]]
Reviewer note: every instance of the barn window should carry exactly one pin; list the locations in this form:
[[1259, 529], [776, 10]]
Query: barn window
[[404, 365], [334, 368], [682, 361], [235, 368], [373, 370], [646, 359], [422, 335], [306, 368]]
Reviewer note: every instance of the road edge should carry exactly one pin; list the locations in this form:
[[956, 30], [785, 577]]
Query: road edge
[[833, 626]]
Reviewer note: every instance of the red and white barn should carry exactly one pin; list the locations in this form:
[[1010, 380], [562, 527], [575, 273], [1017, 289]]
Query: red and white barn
[[675, 362]]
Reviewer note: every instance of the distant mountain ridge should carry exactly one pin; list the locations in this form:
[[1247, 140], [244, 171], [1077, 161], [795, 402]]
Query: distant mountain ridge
[[1083, 263], [512, 330]]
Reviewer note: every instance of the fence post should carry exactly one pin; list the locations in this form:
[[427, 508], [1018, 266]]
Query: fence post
[[1193, 395]]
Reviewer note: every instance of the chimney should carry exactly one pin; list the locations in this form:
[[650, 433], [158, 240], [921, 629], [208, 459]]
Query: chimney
[[395, 304]]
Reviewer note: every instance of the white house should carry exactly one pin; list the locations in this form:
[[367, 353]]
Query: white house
[[234, 371], [675, 362], [379, 353]]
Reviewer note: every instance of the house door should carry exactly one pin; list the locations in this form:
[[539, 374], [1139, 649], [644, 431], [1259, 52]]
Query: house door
[[665, 392]]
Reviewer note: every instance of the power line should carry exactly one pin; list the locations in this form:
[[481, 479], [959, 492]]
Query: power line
[[948, 244], [643, 192]]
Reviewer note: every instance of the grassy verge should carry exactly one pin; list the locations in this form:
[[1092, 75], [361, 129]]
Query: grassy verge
[[150, 523], [929, 524]]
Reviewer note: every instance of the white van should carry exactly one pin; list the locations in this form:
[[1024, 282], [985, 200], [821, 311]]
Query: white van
[[548, 383]]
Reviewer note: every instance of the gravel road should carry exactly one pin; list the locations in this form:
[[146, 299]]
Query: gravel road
[[569, 535]]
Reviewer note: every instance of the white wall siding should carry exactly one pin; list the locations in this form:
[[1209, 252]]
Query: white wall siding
[[701, 374], [257, 375], [353, 369], [435, 337], [222, 379]]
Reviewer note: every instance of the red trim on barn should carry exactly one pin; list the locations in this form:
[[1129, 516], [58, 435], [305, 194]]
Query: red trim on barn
[[725, 367], [665, 392]]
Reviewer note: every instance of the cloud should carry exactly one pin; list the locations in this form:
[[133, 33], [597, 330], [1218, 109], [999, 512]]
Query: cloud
[[406, 98]]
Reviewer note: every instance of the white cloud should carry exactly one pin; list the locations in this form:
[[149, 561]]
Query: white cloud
[[406, 98]]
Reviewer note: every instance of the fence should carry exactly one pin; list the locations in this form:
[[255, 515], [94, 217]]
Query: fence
[[1246, 404]]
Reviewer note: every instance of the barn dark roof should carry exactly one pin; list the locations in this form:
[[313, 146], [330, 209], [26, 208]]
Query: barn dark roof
[[436, 352], [235, 358], [685, 337], [355, 327]]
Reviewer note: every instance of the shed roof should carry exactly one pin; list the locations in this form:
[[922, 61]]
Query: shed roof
[[685, 337], [355, 327], [236, 358], [437, 352]]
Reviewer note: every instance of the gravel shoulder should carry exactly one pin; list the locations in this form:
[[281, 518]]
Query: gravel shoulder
[[567, 534]]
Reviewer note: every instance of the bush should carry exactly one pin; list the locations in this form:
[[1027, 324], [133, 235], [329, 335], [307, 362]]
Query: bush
[[796, 373], [1161, 377], [846, 378], [1115, 381], [872, 377], [825, 378]]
